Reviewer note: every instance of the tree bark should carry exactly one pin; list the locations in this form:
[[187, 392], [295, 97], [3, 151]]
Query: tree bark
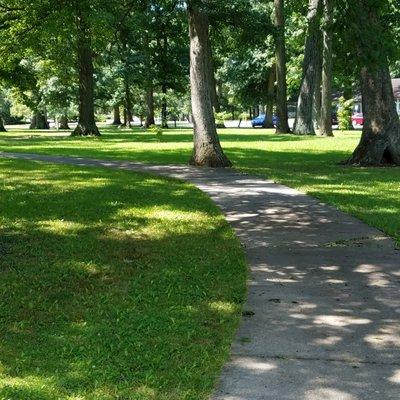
[[39, 121], [164, 107], [117, 115], [2, 127], [281, 68], [128, 117], [304, 115], [269, 109], [86, 124], [380, 140], [327, 77], [64, 123], [207, 148], [150, 119], [317, 100]]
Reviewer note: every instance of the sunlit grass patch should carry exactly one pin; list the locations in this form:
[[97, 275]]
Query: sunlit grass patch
[[107, 285], [309, 163]]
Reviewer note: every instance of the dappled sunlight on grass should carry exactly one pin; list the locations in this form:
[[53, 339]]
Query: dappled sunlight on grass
[[308, 163], [107, 278]]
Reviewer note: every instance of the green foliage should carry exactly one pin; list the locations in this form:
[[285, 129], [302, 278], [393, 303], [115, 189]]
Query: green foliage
[[221, 117], [244, 116], [156, 130], [345, 110]]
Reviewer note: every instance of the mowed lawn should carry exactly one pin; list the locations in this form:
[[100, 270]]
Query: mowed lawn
[[310, 164], [113, 285]]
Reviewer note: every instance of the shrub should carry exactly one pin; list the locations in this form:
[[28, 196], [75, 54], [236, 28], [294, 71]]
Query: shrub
[[156, 130], [345, 111], [220, 119]]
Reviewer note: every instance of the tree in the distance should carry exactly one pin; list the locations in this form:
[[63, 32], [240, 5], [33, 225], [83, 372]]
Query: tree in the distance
[[86, 123], [325, 124], [281, 68], [304, 123]]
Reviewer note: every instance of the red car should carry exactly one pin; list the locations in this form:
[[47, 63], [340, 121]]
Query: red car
[[358, 119]]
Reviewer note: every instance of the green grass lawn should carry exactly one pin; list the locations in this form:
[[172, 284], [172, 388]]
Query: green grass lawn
[[306, 163], [113, 285]]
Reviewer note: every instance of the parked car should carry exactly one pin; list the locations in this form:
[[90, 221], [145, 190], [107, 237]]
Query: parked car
[[358, 119], [260, 120]]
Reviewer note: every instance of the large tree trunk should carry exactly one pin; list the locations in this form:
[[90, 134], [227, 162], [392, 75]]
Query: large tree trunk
[[269, 109], [39, 121], [207, 148], [281, 69], [2, 127], [380, 141], [304, 115], [325, 128], [117, 115], [86, 124], [64, 123], [150, 118]]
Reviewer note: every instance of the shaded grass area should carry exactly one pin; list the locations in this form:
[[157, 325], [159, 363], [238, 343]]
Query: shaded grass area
[[306, 163], [113, 285]]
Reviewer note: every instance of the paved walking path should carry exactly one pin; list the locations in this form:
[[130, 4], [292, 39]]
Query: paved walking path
[[322, 316]]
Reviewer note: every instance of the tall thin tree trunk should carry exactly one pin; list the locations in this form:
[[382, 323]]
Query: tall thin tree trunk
[[207, 148], [164, 107], [86, 124], [304, 115], [128, 106], [317, 100], [326, 100], [269, 109], [281, 68], [2, 127], [117, 115], [150, 118]]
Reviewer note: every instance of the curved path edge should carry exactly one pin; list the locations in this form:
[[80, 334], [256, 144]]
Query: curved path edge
[[321, 320]]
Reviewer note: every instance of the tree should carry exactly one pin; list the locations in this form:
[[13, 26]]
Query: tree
[[327, 78], [372, 34], [281, 69], [2, 107], [207, 148], [269, 109], [86, 123], [304, 124], [117, 115], [25, 76]]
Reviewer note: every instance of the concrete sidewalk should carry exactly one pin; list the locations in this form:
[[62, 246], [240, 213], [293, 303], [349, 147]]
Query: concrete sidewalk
[[322, 317]]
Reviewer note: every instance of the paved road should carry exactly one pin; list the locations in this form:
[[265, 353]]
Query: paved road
[[322, 316]]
